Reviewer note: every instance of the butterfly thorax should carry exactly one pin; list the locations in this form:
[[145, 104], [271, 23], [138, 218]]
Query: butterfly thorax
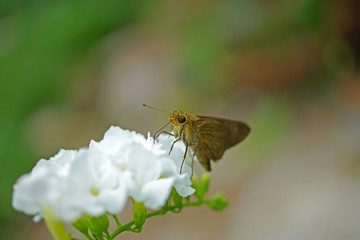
[[184, 126], [209, 137]]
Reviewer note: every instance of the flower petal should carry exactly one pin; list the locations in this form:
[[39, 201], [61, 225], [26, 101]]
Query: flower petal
[[155, 193]]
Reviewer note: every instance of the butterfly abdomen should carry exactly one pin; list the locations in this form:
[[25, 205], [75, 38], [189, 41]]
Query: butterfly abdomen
[[209, 137]]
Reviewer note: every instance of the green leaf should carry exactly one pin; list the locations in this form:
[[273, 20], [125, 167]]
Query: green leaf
[[177, 199], [139, 214], [98, 225], [201, 187], [205, 182], [82, 226], [196, 186], [218, 202]]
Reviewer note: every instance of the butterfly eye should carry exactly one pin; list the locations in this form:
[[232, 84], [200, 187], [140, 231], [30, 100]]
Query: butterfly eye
[[181, 118]]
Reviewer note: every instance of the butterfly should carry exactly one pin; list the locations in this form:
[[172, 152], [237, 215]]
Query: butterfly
[[208, 137]]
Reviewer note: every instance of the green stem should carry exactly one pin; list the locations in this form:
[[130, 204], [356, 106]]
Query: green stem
[[121, 229], [116, 220], [55, 226], [128, 226]]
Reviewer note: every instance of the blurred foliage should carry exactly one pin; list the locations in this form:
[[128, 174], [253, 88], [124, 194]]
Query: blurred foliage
[[223, 48], [40, 44], [270, 126]]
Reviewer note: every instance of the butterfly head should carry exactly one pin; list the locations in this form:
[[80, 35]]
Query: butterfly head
[[178, 118]]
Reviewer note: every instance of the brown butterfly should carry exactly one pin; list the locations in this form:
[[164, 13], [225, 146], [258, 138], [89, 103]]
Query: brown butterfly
[[209, 137]]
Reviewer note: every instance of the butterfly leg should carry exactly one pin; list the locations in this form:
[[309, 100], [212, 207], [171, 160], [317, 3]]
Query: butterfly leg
[[172, 145], [182, 163], [156, 135], [158, 132], [192, 160]]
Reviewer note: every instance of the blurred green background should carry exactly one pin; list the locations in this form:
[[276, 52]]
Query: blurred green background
[[290, 69]]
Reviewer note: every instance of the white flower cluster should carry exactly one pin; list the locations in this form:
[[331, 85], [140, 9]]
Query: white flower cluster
[[100, 178]]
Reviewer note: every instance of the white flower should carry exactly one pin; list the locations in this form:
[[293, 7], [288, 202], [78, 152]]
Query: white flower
[[91, 188], [100, 178], [182, 182], [151, 172], [42, 187]]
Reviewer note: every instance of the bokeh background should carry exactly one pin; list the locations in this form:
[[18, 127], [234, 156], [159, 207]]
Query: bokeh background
[[290, 69]]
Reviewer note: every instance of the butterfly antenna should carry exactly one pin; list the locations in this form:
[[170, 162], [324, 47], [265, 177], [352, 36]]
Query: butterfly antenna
[[145, 105]]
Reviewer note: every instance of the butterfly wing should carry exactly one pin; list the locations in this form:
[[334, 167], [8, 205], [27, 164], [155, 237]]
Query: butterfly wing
[[215, 135]]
